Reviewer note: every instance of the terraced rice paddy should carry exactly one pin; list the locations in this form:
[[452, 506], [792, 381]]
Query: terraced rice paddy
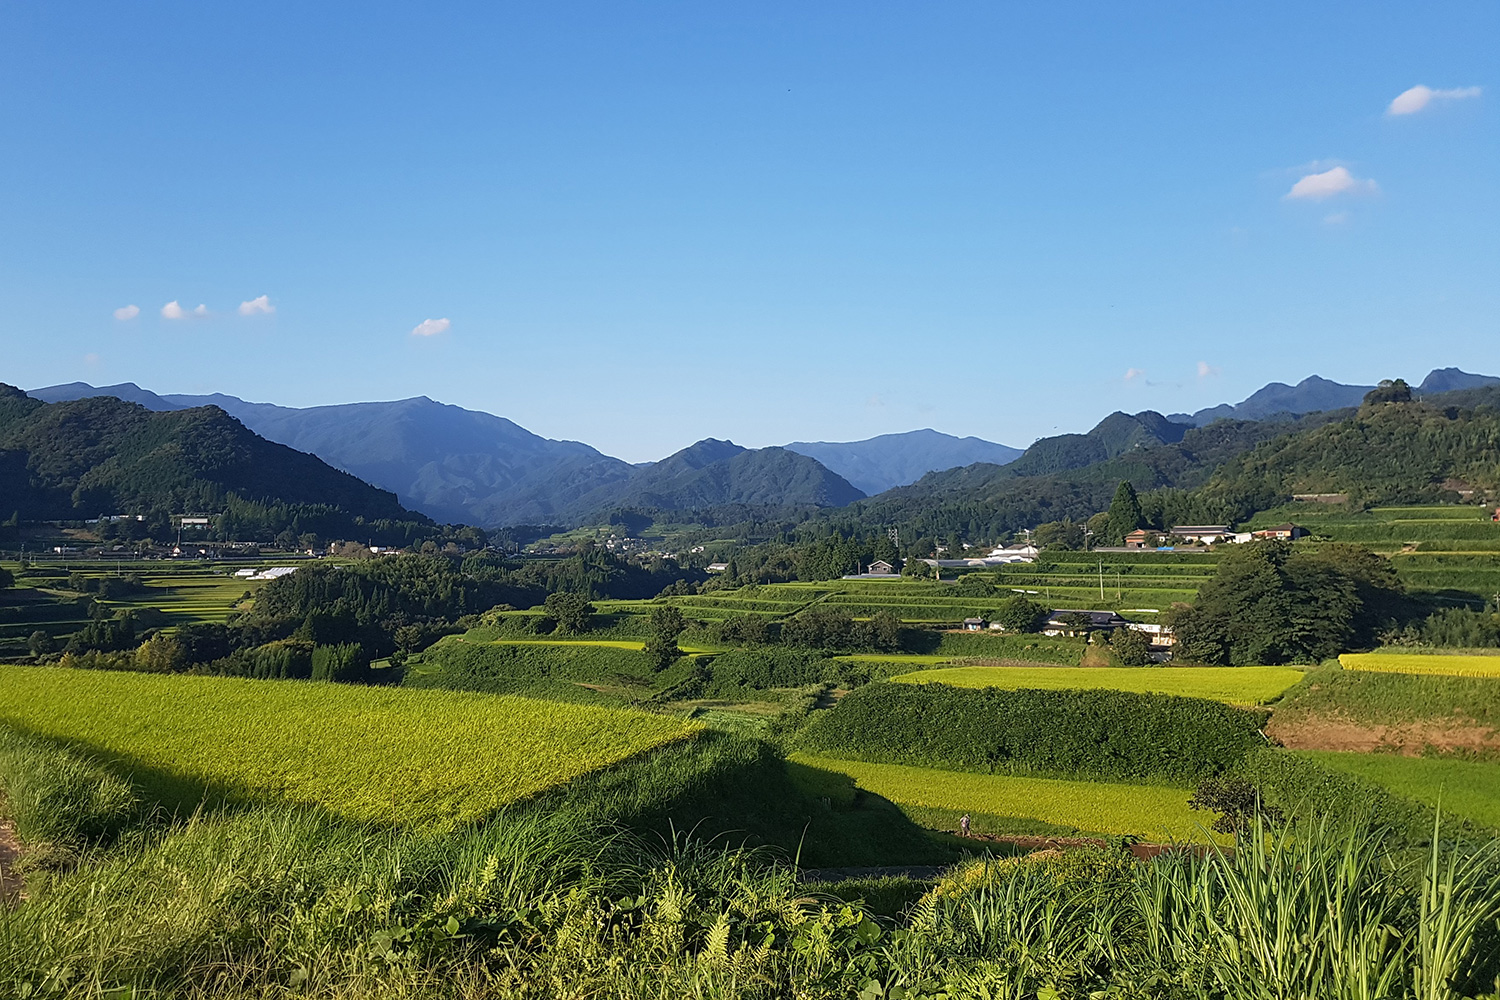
[[1233, 685], [1442, 664], [380, 754], [1146, 811], [1461, 788]]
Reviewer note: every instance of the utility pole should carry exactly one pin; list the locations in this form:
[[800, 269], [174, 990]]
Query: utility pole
[[1101, 579]]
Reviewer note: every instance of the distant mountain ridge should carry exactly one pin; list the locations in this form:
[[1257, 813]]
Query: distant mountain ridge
[[463, 465], [880, 463], [102, 456], [1314, 394]]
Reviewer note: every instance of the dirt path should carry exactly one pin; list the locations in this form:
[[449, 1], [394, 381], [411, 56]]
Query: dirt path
[[1409, 739], [12, 889]]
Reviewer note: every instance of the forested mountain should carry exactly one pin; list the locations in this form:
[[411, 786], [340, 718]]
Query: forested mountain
[[1313, 394], [449, 462], [716, 473], [101, 455], [465, 465], [889, 460], [1398, 452]]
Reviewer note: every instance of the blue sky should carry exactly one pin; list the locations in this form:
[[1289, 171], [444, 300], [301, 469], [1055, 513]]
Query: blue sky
[[642, 224]]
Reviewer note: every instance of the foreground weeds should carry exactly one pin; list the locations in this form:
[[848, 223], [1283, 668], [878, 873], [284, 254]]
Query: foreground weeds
[[280, 903]]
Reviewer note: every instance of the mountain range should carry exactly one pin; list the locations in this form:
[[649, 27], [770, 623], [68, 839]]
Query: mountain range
[[1313, 394], [459, 465], [98, 456]]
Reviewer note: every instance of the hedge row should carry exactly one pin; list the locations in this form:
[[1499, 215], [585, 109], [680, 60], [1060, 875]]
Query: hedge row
[[1100, 735]]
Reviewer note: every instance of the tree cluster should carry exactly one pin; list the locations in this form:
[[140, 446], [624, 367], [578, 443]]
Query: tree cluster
[[1271, 603]]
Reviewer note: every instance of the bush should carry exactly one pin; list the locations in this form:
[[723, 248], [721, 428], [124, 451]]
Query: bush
[[1131, 647], [763, 668], [1090, 734]]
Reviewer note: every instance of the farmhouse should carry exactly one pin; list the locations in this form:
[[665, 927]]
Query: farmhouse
[[1070, 621], [973, 624], [1205, 533], [880, 568], [1137, 539], [717, 567], [1286, 532]]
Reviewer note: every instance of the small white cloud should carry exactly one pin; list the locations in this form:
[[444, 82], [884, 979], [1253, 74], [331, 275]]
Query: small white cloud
[[173, 310], [1336, 218], [1131, 374], [258, 306], [127, 313], [1409, 102], [1337, 180], [430, 327], [201, 310], [91, 358], [1206, 370]]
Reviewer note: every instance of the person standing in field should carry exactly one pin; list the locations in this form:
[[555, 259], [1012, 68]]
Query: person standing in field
[[963, 826]]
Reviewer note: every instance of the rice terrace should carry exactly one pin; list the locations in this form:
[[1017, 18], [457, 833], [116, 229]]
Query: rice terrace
[[793, 502]]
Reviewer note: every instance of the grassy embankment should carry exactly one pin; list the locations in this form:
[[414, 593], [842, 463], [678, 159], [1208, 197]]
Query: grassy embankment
[[1232, 685]]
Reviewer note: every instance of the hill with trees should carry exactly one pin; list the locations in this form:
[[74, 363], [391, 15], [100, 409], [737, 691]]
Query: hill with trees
[[102, 456]]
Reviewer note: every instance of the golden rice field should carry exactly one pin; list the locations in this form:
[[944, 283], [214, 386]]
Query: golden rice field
[[1148, 811], [418, 757], [1457, 665], [1234, 685]]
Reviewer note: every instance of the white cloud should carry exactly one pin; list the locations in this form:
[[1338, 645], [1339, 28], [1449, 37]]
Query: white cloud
[[430, 327], [261, 305], [172, 310], [127, 312], [1337, 180], [1206, 370], [201, 310], [1409, 102], [1131, 374], [91, 358], [1336, 218]]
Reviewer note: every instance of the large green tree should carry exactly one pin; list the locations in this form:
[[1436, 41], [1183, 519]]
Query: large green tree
[[1124, 513], [1272, 603]]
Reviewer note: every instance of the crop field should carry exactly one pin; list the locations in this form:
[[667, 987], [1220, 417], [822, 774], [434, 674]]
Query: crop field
[[379, 754], [1442, 664], [1463, 788], [1232, 685], [1080, 806]]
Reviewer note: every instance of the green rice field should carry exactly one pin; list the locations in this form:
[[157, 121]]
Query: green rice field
[[1461, 788], [1147, 811], [1234, 685], [1442, 664], [380, 754]]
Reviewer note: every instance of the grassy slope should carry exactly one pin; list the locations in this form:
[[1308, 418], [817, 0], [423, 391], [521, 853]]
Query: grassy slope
[[1461, 788], [1379, 698], [364, 753], [1233, 685]]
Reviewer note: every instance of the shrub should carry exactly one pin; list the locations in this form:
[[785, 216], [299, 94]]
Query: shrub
[[1095, 734], [768, 667], [1132, 647]]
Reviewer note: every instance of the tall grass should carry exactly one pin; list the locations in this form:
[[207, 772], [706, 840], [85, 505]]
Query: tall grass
[[58, 797]]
